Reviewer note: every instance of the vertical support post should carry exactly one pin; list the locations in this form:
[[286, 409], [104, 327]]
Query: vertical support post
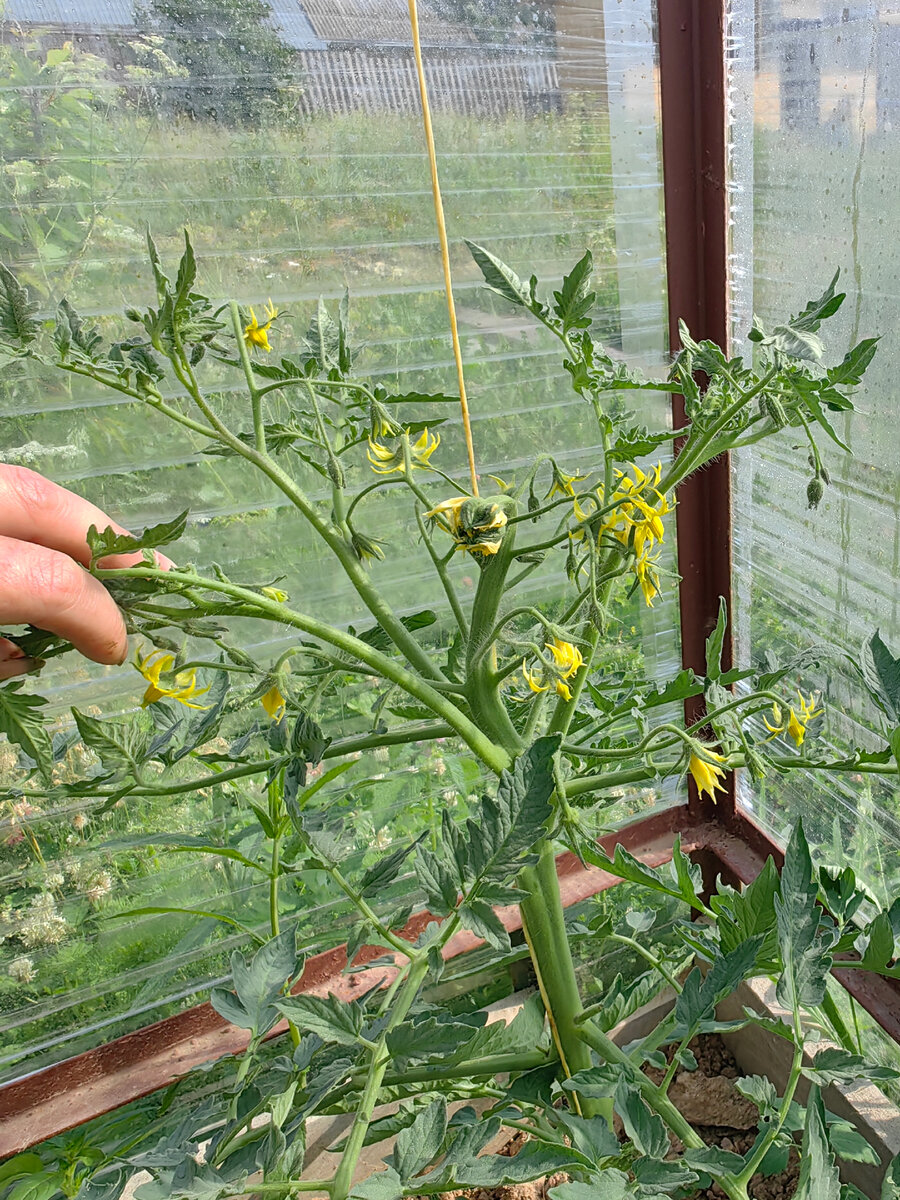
[[693, 102]]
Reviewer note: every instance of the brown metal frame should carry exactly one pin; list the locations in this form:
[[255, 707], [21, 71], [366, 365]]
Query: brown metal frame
[[722, 838]]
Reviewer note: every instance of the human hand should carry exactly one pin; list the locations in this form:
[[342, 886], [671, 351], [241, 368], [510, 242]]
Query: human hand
[[43, 553]]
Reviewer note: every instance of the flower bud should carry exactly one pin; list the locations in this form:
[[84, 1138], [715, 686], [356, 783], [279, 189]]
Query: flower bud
[[335, 474], [571, 561], [815, 490], [755, 764], [533, 503], [775, 411]]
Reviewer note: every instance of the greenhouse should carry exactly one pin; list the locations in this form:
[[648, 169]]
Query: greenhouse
[[449, 599]]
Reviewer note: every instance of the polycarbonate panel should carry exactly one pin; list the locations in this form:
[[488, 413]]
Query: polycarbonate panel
[[816, 150], [292, 148]]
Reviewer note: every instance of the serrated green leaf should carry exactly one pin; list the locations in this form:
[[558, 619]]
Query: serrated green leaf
[[611, 1185], [189, 1181], [387, 869], [701, 993], [666, 1176], [440, 883], [380, 1185], [478, 916], [680, 881], [121, 742], [634, 443], [714, 1161], [819, 1179], [533, 1161], [890, 1188], [850, 371], [574, 301], [257, 982], [848, 1143], [838, 1065], [881, 671], [420, 1143], [715, 643], [742, 915], [816, 311], [380, 639], [761, 1092], [108, 541], [327, 1016], [499, 277], [187, 274], [506, 827], [434, 1036], [643, 1126], [806, 961], [797, 343], [159, 276], [591, 1135], [807, 394], [71, 333], [17, 322], [22, 723]]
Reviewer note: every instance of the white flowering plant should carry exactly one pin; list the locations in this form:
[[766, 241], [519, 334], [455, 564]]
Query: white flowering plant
[[515, 687]]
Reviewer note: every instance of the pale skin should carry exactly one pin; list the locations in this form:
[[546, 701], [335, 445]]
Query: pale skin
[[43, 581]]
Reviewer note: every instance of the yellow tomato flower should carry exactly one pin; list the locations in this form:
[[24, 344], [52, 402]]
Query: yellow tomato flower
[[566, 657], [707, 776], [796, 729], [635, 522], [256, 334], [274, 703], [795, 726], [366, 548], [534, 679], [477, 525], [808, 708], [562, 483], [158, 663], [448, 509], [778, 726], [385, 461], [276, 594]]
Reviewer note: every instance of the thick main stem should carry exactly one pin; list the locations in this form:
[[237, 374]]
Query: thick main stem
[[544, 923]]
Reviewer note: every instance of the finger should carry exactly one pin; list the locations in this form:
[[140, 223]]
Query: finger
[[16, 666], [9, 650], [32, 509], [47, 588]]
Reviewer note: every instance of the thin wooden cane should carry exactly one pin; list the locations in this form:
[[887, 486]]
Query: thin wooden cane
[[442, 237]]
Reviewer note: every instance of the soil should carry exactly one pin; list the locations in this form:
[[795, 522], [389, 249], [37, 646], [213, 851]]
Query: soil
[[711, 1103]]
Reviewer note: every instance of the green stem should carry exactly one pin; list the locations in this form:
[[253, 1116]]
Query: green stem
[[650, 957], [775, 1128], [446, 581], [380, 1060], [395, 942], [259, 428], [494, 756], [545, 930], [333, 538]]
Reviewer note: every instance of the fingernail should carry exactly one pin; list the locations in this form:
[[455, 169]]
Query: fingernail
[[9, 650]]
